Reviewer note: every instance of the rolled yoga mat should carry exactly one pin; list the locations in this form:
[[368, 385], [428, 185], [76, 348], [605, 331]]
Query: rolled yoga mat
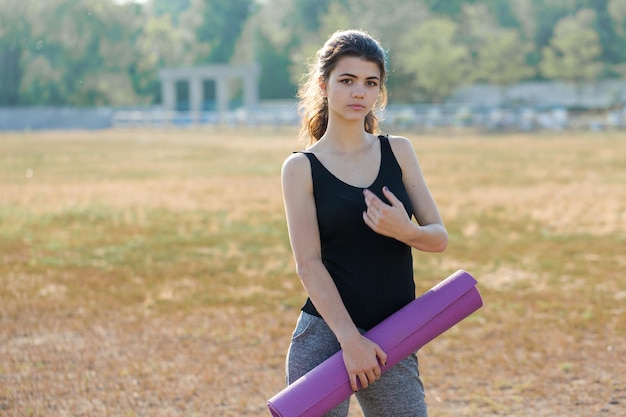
[[399, 335]]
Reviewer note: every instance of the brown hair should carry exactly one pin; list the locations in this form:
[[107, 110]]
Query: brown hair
[[313, 107]]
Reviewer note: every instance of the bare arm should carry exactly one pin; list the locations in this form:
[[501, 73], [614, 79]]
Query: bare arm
[[361, 356], [429, 233]]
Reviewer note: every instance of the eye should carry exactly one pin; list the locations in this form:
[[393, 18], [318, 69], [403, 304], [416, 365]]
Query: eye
[[372, 83], [346, 81]]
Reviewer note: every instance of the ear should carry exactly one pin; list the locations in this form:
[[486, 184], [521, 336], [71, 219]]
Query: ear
[[322, 84]]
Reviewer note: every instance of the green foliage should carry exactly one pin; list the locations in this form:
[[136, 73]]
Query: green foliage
[[102, 52], [15, 39], [547, 15], [365, 15], [574, 51], [169, 8], [451, 8], [220, 25], [307, 13], [501, 58], [275, 81], [161, 44], [439, 63], [81, 57], [504, 12], [617, 12], [607, 33]]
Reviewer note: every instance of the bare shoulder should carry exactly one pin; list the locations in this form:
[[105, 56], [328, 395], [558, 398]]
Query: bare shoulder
[[297, 162], [402, 148], [296, 170]]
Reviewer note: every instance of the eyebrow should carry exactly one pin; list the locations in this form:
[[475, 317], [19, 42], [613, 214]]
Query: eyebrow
[[347, 74]]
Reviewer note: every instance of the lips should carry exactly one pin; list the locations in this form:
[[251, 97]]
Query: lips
[[356, 106]]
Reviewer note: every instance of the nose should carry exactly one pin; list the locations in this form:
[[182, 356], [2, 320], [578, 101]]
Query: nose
[[358, 91]]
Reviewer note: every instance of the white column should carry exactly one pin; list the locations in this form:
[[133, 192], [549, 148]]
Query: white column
[[251, 88], [168, 93], [223, 95], [195, 97]]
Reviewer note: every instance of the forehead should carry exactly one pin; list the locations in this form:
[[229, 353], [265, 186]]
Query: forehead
[[356, 66]]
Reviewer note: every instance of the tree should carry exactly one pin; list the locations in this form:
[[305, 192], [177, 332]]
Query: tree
[[387, 21], [548, 13], [84, 58], [573, 51], [617, 11], [606, 30], [501, 59], [336, 18], [503, 12], [307, 13], [15, 38], [220, 25], [365, 15], [476, 26], [169, 8], [448, 8], [438, 62], [524, 11], [101, 52], [163, 44], [266, 47]]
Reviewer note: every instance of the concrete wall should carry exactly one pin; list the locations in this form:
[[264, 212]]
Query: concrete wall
[[558, 94], [37, 118]]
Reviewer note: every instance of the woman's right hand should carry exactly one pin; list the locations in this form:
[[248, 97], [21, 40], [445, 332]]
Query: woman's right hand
[[363, 359]]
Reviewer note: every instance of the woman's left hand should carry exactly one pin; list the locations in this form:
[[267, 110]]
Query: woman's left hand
[[388, 220]]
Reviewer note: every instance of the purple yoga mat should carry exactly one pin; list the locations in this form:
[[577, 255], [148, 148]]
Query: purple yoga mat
[[402, 333]]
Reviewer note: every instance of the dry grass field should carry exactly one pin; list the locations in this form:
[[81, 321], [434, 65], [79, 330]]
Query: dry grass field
[[148, 273]]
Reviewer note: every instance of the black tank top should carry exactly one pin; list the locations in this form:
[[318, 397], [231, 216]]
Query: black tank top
[[373, 273]]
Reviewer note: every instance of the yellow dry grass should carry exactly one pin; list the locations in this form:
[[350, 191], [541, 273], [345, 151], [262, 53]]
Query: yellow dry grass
[[148, 273]]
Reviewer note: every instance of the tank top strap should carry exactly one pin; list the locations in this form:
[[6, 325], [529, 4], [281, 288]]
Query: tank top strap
[[316, 165], [385, 149]]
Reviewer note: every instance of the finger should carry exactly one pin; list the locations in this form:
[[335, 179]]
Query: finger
[[364, 380], [391, 196], [382, 356], [373, 210], [371, 376], [371, 199], [375, 207], [371, 221], [353, 383], [373, 213]]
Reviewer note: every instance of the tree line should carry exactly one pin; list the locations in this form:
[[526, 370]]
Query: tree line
[[107, 53]]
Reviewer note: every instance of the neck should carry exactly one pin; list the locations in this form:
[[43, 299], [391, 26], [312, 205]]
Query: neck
[[346, 136]]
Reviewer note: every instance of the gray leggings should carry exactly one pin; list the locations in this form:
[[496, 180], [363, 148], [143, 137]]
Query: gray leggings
[[398, 393]]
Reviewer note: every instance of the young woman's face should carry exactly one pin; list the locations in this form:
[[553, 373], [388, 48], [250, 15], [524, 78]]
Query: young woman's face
[[352, 88]]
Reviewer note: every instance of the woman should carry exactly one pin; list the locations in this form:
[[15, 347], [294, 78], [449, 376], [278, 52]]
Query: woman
[[349, 199]]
